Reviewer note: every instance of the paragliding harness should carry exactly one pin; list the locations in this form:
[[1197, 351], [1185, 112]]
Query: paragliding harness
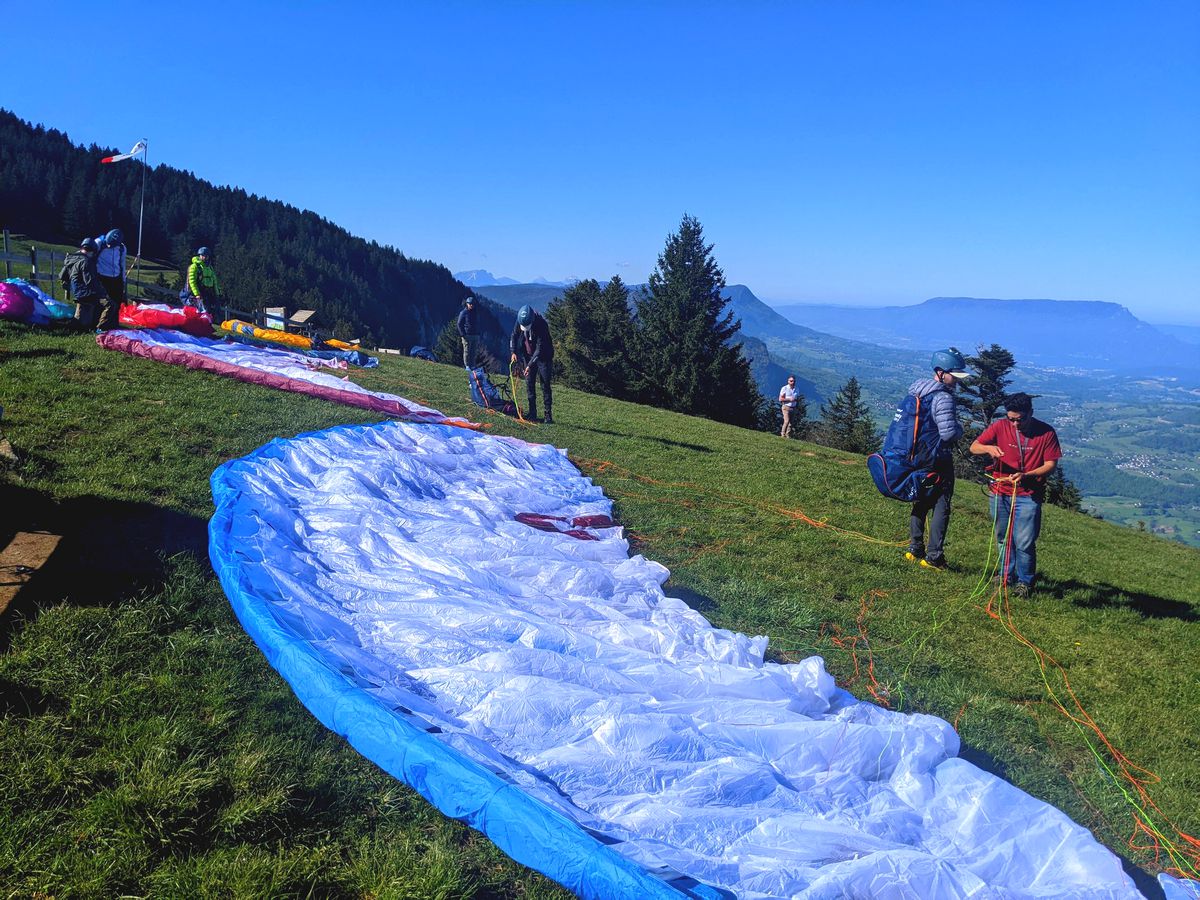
[[486, 394], [904, 468]]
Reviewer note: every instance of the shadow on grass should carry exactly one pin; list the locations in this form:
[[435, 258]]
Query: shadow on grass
[[33, 353], [700, 603], [110, 549], [1107, 596], [642, 437]]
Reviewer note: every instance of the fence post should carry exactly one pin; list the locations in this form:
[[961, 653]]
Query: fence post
[[7, 266]]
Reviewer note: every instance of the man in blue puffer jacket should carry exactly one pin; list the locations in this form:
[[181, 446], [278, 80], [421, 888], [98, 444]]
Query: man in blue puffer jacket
[[937, 394]]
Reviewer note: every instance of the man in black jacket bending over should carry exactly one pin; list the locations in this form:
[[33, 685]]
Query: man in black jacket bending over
[[530, 341]]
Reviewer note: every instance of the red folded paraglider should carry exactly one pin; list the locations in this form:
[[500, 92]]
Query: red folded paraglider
[[157, 315], [580, 524]]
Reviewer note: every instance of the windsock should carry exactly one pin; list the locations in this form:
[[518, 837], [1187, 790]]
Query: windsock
[[139, 147]]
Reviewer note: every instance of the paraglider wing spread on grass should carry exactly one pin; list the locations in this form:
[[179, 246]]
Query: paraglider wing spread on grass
[[421, 590]]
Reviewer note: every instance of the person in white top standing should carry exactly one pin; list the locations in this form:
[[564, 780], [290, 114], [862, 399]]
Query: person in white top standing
[[789, 400]]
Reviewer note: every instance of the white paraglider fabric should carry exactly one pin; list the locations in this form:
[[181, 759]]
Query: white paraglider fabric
[[393, 555]]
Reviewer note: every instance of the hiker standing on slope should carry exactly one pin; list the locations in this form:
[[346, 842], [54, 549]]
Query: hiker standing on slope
[[110, 264], [789, 400], [937, 393], [468, 331], [78, 277], [530, 341], [202, 281], [1024, 451]]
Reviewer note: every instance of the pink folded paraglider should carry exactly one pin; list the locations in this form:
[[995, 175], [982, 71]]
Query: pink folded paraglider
[[159, 315], [14, 303]]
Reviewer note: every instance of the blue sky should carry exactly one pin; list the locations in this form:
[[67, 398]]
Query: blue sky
[[848, 152]]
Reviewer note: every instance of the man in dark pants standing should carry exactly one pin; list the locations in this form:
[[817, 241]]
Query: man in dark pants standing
[[530, 341], [468, 331], [937, 393]]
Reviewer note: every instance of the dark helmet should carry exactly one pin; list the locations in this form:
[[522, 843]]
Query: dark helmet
[[949, 361], [114, 237], [88, 244], [470, 301], [203, 251], [525, 316]]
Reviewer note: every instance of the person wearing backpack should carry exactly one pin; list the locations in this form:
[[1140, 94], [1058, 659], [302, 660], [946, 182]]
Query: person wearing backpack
[[78, 277], [1024, 450], [936, 394], [202, 287]]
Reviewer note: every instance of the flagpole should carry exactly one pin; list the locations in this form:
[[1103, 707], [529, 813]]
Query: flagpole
[[142, 205]]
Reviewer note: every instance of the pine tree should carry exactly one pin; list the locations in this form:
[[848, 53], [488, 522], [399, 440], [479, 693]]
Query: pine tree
[[686, 357], [1061, 491], [984, 393], [592, 330], [846, 422], [980, 397], [448, 348]]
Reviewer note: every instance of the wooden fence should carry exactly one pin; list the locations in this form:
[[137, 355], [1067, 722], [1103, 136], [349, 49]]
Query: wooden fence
[[44, 264]]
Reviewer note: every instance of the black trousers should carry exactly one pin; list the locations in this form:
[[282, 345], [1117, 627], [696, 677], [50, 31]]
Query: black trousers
[[539, 371]]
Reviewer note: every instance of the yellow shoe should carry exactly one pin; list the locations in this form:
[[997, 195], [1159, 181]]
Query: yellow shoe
[[912, 557], [934, 564]]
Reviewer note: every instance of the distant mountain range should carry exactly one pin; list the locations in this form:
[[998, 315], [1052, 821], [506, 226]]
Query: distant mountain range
[[1189, 334], [477, 278], [1073, 335], [517, 295]]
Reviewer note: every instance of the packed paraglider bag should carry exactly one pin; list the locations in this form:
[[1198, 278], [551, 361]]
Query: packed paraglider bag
[[903, 468], [486, 394]]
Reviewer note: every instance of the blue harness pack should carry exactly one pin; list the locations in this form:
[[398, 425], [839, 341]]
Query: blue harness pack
[[486, 394], [904, 468]]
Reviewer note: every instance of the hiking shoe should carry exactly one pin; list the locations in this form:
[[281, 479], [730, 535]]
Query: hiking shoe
[[549, 420], [939, 563], [913, 557], [1021, 590]]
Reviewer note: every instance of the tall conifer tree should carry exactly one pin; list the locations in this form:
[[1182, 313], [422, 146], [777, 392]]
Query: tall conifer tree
[[686, 355], [592, 328], [846, 422]]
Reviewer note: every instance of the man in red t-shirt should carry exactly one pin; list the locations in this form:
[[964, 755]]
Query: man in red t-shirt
[[1024, 451]]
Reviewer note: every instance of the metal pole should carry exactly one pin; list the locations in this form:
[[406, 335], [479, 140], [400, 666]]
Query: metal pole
[[7, 267], [142, 204], [33, 279]]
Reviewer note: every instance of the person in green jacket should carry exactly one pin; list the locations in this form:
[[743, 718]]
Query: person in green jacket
[[202, 280]]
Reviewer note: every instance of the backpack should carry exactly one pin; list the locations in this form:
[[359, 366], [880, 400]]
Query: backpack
[[486, 394], [903, 468]]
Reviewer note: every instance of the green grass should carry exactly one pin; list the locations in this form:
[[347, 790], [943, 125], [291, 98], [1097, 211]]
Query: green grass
[[150, 749]]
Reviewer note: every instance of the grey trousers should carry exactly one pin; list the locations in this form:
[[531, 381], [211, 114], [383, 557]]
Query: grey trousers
[[939, 505], [470, 345]]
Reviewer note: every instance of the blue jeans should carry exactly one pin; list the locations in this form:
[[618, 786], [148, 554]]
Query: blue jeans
[[1027, 524]]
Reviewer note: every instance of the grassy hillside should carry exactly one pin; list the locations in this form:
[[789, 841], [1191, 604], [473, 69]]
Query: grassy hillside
[[149, 749]]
